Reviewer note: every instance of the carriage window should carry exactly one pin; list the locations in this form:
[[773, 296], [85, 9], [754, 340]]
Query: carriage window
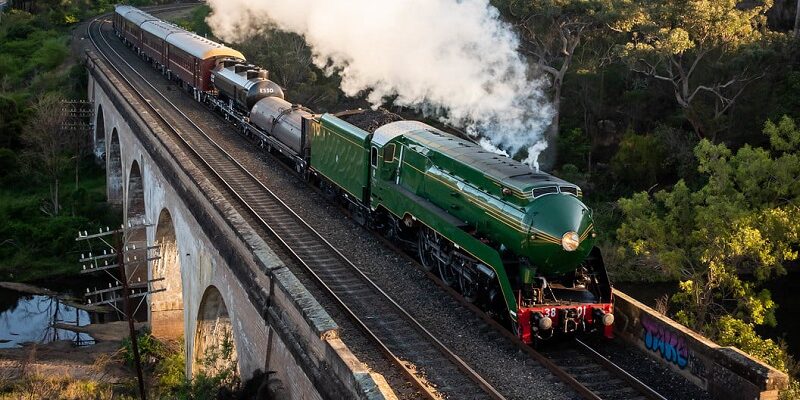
[[374, 157], [388, 153]]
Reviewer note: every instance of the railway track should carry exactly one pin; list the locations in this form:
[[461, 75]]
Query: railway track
[[434, 369], [429, 364], [598, 374]]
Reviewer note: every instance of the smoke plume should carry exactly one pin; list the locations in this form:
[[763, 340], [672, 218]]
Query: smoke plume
[[453, 59]]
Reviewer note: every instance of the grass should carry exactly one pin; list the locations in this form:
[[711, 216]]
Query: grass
[[37, 386]]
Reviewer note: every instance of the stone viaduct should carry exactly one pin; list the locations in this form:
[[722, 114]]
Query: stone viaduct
[[222, 284]]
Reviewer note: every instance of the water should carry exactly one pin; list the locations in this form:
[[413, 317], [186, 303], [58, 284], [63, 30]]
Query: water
[[29, 318]]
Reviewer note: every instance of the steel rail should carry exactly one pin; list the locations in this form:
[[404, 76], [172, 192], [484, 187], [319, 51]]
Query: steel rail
[[640, 386], [422, 384]]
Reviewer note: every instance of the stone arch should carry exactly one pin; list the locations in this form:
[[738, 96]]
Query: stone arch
[[100, 135], [136, 269], [214, 343], [114, 170], [135, 207], [166, 307]]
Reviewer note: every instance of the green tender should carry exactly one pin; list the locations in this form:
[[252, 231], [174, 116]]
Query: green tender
[[341, 154]]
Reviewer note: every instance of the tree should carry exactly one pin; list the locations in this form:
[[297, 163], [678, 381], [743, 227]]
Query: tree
[[797, 20], [48, 145], [743, 221], [11, 123], [551, 32], [692, 45]]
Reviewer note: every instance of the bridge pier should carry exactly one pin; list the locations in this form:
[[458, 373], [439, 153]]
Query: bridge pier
[[166, 308]]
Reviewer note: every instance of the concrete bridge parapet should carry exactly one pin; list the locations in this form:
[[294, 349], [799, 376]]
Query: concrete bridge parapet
[[221, 280], [725, 372]]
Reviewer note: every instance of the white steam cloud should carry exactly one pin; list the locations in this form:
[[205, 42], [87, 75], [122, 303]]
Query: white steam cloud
[[451, 58]]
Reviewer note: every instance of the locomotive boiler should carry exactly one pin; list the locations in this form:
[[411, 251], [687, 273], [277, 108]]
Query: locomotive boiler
[[243, 85]]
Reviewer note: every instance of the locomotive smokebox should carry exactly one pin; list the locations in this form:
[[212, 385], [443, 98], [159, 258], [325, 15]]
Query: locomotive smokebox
[[245, 85]]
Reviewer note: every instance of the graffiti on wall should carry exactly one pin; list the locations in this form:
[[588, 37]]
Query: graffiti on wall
[[667, 343], [672, 347]]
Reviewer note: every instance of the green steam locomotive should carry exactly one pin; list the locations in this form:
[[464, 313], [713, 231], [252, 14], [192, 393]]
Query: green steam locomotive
[[519, 243]]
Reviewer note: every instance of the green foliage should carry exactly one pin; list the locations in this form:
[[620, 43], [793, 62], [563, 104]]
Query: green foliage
[[784, 136], [34, 245], [674, 27], [218, 368], [10, 123], [572, 173], [706, 51], [151, 350], [196, 22], [743, 220], [22, 59], [789, 101], [792, 392], [737, 333], [164, 363], [35, 241], [639, 160], [170, 374], [574, 147]]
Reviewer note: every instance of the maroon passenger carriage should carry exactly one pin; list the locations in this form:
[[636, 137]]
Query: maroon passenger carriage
[[180, 54]]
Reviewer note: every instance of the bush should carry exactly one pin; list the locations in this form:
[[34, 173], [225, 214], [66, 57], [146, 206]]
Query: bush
[[639, 161], [573, 148], [737, 333], [8, 164], [35, 386]]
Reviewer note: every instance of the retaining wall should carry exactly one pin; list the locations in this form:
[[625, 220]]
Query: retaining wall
[[725, 372]]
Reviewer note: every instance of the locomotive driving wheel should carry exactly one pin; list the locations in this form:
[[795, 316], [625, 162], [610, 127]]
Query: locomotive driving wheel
[[436, 257], [425, 248], [469, 289], [446, 271]]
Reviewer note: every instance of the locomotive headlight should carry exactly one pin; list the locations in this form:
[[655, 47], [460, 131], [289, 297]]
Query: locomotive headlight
[[570, 241], [544, 323], [608, 319]]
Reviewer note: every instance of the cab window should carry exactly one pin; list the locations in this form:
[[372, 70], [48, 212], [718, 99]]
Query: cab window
[[373, 157], [388, 153]]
